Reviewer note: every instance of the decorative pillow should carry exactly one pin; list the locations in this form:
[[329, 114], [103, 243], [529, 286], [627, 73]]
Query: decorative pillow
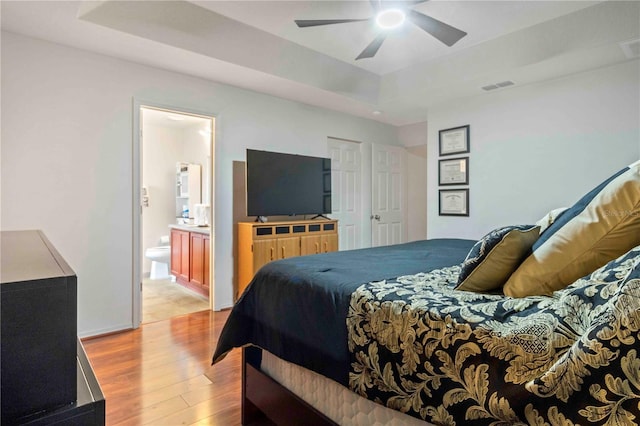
[[601, 226], [549, 218], [493, 259]]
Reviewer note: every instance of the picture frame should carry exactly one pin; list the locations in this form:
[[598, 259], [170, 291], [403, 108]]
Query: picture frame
[[453, 202], [453, 171], [454, 140]]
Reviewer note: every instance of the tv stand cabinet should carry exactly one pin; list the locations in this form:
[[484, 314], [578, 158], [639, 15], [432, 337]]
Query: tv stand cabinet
[[261, 243]]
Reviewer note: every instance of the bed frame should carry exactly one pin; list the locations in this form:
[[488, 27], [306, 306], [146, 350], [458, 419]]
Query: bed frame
[[264, 398]]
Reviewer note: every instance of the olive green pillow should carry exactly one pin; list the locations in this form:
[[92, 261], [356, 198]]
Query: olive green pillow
[[495, 256]]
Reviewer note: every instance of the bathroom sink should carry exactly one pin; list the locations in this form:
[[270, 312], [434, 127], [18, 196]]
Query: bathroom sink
[[191, 225]]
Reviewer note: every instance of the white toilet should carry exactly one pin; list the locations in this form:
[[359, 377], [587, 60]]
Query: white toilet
[[160, 257]]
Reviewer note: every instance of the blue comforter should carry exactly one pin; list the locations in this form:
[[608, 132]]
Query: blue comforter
[[296, 308]]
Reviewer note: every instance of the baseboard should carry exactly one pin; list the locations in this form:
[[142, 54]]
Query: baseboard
[[105, 331]]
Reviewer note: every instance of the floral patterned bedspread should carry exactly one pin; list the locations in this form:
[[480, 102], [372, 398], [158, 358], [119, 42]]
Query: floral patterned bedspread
[[462, 358]]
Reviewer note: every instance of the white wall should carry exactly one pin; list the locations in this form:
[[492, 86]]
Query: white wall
[[414, 137], [416, 192], [67, 158], [538, 147]]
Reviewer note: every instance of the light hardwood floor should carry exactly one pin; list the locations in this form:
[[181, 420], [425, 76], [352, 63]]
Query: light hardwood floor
[[161, 373]]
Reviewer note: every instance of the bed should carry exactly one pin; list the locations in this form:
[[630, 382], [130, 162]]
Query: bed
[[452, 331]]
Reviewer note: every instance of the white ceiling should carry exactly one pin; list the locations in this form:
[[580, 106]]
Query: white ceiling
[[256, 45], [482, 20]]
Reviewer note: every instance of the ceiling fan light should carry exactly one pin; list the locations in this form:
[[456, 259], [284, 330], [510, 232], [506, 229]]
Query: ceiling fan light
[[390, 18]]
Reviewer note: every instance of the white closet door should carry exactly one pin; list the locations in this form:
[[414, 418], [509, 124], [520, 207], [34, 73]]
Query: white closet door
[[388, 212], [346, 191]]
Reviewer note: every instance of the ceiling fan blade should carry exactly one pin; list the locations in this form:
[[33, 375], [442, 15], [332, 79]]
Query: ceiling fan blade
[[371, 50], [444, 32], [303, 23]]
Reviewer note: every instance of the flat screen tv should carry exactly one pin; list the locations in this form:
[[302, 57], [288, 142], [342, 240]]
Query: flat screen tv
[[285, 184]]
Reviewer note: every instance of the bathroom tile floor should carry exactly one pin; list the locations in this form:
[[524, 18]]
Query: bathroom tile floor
[[163, 299]]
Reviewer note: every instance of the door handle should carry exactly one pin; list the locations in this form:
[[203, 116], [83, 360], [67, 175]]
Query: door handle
[[376, 217]]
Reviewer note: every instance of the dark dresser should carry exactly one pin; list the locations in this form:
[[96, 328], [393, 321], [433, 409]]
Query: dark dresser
[[45, 376]]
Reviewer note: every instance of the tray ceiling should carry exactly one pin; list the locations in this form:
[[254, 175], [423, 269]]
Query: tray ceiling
[[256, 45]]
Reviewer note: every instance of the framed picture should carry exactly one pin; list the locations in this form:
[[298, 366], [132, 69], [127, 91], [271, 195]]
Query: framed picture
[[454, 171], [454, 140], [454, 202]]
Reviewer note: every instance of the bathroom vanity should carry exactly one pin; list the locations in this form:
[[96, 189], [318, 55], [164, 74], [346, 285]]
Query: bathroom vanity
[[190, 257]]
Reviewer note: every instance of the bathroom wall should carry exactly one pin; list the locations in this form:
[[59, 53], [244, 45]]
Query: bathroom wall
[[161, 147], [197, 150]]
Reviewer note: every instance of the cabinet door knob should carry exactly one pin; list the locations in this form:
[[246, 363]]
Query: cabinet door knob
[[283, 256], [317, 248], [271, 253]]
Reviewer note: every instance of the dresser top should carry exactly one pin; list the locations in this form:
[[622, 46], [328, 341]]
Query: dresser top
[[29, 256], [291, 222]]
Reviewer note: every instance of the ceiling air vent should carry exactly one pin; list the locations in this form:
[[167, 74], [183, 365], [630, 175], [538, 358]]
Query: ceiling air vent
[[631, 48], [498, 85]]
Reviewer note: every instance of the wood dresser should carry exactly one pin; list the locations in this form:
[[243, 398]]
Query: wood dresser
[[261, 243]]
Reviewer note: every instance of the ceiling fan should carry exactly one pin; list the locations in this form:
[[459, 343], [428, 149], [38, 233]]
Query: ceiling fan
[[391, 14]]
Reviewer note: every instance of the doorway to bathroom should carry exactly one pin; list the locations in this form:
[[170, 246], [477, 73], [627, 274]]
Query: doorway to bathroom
[[176, 193]]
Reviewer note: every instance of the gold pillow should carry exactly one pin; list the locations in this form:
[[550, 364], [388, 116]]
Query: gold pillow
[[603, 225], [495, 256]]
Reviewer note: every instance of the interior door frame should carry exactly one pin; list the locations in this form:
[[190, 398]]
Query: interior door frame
[[136, 278]]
